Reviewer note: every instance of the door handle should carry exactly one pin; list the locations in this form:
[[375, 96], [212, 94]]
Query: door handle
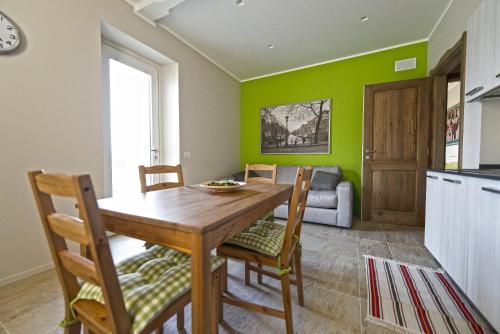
[[452, 181], [370, 151], [155, 150], [474, 91], [432, 177], [491, 190], [498, 75]]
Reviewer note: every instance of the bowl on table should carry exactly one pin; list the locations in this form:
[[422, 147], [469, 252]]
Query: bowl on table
[[222, 186]]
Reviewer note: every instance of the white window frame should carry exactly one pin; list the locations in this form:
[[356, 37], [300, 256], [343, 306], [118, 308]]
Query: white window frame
[[111, 51]]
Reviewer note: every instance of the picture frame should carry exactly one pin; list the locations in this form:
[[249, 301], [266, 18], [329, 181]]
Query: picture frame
[[296, 128]]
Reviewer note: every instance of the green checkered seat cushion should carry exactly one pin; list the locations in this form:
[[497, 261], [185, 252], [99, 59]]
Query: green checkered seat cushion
[[150, 282], [263, 237]]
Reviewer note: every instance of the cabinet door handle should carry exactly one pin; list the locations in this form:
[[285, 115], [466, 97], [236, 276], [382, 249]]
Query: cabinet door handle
[[452, 181], [474, 91], [491, 190], [432, 177]]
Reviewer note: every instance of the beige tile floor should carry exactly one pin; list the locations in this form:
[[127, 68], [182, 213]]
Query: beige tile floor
[[335, 285]]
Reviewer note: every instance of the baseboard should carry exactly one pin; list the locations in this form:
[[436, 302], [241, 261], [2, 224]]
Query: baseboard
[[24, 274]]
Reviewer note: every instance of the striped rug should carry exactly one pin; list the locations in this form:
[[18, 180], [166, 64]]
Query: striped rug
[[413, 299]]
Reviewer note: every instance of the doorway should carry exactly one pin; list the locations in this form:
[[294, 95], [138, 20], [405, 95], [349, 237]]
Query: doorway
[[395, 152], [447, 101], [133, 117]]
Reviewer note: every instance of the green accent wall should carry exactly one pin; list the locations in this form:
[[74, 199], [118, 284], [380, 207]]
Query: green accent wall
[[342, 81]]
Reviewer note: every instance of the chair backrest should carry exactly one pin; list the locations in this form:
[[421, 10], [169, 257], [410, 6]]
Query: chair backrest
[[296, 209], [160, 169], [260, 168], [88, 231]]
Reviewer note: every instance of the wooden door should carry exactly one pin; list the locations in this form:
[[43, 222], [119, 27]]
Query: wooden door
[[395, 152]]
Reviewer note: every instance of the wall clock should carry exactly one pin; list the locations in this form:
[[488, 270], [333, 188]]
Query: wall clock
[[10, 38]]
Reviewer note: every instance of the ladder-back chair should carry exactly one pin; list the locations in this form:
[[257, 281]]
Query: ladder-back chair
[[271, 169], [274, 245], [160, 169], [99, 272]]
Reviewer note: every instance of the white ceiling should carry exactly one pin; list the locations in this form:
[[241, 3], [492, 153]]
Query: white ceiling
[[304, 32]]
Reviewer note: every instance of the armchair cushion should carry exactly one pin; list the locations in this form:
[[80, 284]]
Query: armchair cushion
[[326, 199]]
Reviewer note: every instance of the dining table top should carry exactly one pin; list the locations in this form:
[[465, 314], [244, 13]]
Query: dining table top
[[192, 209]]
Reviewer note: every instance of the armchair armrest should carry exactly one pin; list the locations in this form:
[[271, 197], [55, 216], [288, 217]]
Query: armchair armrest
[[345, 204]]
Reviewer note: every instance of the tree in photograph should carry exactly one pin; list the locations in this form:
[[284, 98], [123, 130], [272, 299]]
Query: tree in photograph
[[270, 125], [317, 108]]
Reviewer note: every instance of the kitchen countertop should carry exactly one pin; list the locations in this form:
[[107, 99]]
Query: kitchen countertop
[[492, 174]]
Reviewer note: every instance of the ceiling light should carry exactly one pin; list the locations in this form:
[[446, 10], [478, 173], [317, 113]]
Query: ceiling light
[[239, 3], [270, 46], [364, 18]]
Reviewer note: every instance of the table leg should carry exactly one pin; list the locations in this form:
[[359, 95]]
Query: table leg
[[200, 291]]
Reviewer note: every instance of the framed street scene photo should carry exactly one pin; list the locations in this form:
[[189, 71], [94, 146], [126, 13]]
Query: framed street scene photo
[[298, 128]]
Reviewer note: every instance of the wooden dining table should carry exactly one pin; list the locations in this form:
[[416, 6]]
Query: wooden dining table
[[193, 220]]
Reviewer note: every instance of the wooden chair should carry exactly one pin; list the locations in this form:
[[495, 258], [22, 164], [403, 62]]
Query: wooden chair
[[270, 216], [245, 246], [260, 168], [160, 169], [111, 316]]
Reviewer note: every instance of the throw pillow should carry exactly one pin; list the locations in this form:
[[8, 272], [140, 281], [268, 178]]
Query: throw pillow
[[325, 181]]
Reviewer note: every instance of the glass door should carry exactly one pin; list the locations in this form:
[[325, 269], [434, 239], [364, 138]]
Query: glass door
[[133, 118]]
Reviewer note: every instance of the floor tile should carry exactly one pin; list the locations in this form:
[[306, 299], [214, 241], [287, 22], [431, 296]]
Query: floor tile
[[419, 236], [373, 248], [363, 288], [397, 234], [344, 233], [124, 247], [411, 254], [42, 320], [372, 231], [311, 261], [331, 312], [339, 273], [314, 241], [23, 296], [341, 246]]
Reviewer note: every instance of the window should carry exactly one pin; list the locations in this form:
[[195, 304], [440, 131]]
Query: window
[[131, 118]]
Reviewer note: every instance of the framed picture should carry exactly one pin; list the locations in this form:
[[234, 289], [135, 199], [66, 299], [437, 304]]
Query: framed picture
[[298, 128], [453, 125]]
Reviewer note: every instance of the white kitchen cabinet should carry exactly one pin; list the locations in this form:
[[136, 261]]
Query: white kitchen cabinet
[[483, 278], [454, 228], [462, 231], [433, 214], [481, 35]]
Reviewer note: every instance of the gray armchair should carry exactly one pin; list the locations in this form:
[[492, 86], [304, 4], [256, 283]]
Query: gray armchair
[[329, 207]]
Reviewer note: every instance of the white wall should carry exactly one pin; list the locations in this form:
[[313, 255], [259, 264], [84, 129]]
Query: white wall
[[472, 135], [490, 134], [51, 111], [450, 29]]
